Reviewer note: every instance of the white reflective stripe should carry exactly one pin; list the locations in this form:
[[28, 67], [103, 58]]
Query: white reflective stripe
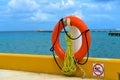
[[78, 42]]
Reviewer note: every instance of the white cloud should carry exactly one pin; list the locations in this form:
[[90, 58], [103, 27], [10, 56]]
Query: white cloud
[[89, 5], [102, 16], [68, 3], [45, 10], [61, 5], [23, 5], [39, 16], [53, 6], [97, 6], [50, 10], [78, 14], [107, 7]]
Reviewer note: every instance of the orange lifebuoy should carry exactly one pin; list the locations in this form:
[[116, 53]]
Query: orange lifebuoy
[[75, 21]]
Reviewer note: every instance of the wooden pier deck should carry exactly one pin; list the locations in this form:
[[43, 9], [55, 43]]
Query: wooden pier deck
[[114, 33]]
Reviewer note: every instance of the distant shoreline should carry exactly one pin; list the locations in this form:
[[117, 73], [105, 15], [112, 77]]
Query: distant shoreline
[[63, 31]]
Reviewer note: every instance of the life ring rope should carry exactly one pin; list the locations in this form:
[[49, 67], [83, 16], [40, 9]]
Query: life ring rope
[[58, 30], [75, 21], [77, 38]]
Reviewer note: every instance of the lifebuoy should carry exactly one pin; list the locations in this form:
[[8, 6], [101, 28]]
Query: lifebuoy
[[74, 21]]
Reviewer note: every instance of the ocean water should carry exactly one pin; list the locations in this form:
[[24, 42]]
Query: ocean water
[[102, 45]]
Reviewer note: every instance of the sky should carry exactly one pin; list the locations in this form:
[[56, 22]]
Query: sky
[[21, 15]]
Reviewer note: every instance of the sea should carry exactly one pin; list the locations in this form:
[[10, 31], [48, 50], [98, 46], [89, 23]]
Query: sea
[[39, 43]]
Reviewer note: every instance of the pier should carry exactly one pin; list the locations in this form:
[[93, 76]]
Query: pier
[[114, 33]]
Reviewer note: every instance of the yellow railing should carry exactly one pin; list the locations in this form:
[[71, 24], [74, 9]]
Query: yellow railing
[[99, 68]]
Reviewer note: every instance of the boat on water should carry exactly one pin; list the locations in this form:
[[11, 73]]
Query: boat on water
[[37, 30], [117, 33]]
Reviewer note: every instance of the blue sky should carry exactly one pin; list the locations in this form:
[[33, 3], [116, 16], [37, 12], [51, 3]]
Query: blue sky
[[17, 15]]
